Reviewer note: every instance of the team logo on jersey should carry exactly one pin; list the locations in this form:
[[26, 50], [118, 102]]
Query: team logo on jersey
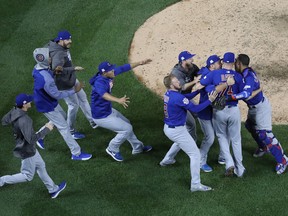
[[40, 57], [166, 99], [185, 101], [187, 79]]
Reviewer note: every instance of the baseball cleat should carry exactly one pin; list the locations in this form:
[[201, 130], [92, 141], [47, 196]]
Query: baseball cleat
[[167, 163], [61, 186], [259, 152], [115, 155], [200, 187], [82, 156], [229, 172], [221, 161], [77, 135], [144, 149], [206, 168], [280, 168]]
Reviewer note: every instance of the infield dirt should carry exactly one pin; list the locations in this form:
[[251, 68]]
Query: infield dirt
[[258, 28]]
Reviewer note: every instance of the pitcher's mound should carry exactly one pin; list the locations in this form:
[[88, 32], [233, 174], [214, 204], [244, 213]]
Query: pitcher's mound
[[258, 28]]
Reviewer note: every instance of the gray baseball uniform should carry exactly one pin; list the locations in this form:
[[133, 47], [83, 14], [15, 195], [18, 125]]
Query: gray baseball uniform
[[227, 122]]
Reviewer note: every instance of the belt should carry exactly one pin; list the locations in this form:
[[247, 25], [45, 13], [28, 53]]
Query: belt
[[254, 106], [173, 126]]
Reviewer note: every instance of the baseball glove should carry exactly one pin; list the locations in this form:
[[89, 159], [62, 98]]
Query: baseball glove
[[219, 103]]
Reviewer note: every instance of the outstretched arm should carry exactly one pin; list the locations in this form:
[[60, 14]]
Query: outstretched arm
[[143, 62], [123, 100]]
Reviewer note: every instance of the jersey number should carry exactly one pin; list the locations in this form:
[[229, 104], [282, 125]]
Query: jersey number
[[228, 90]]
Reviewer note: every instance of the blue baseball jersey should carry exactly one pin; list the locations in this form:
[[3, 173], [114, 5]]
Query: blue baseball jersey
[[251, 83], [205, 114], [176, 106], [100, 107], [219, 76], [46, 93]]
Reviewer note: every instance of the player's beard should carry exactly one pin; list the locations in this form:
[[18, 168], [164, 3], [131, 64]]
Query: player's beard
[[237, 69], [189, 65], [67, 45]]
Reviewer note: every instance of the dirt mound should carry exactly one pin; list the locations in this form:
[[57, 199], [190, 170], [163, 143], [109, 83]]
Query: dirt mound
[[257, 28]]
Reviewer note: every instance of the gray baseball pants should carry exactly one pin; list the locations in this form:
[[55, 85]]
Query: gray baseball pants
[[191, 128], [181, 138], [208, 140], [191, 125], [121, 125], [75, 101], [28, 168], [261, 115], [58, 118], [227, 125]]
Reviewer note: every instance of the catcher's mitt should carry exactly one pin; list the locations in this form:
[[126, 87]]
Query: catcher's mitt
[[219, 103]]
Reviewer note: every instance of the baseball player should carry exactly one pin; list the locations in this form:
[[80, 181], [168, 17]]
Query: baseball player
[[46, 96], [176, 106], [186, 73], [258, 122], [107, 117], [25, 149], [205, 116], [227, 122], [60, 54]]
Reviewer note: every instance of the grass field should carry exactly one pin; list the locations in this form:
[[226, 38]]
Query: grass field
[[102, 30]]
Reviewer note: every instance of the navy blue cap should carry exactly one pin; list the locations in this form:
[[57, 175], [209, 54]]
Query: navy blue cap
[[22, 99], [229, 57], [105, 67], [63, 35], [212, 59], [185, 55]]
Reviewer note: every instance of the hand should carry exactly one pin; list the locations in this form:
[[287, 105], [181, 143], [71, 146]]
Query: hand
[[146, 61], [79, 68], [78, 86], [197, 79], [58, 69], [124, 100], [230, 81], [212, 95], [49, 125]]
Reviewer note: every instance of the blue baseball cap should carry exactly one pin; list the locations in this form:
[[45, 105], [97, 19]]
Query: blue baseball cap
[[185, 55], [229, 57], [105, 67], [22, 99], [63, 35], [212, 59]]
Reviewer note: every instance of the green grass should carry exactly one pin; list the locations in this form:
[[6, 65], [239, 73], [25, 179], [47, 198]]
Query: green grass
[[102, 30]]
